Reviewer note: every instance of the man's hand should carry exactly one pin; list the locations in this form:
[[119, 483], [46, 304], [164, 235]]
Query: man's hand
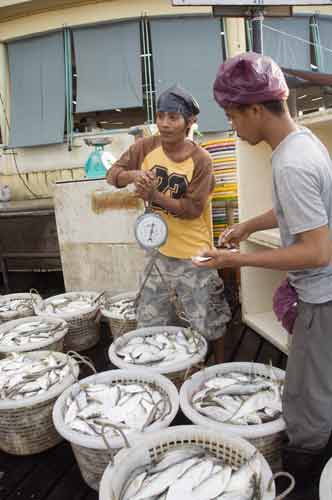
[[143, 179], [233, 235], [218, 259], [311, 249], [145, 183], [240, 232]]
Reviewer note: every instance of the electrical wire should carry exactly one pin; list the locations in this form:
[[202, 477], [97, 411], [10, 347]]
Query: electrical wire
[[35, 195], [298, 38]]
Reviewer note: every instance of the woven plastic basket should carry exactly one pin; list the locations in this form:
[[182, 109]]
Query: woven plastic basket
[[232, 450], [325, 483], [21, 312], [83, 331], [177, 372], [26, 426], [53, 343], [91, 453], [118, 326], [267, 438]]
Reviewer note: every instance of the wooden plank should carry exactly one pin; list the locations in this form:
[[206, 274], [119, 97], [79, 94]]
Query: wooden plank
[[269, 354], [249, 347], [15, 469], [27, 205], [71, 487], [54, 475], [267, 325], [92, 495], [51, 467], [39, 213], [32, 255]]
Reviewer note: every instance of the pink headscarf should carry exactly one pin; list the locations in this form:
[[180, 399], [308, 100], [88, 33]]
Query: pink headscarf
[[249, 78]]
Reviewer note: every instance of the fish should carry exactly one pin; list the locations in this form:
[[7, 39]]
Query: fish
[[178, 491], [77, 303], [174, 457], [121, 309], [161, 349], [194, 473], [215, 412], [262, 399], [82, 426], [160, 482], [240, 398], [22, 305], [213, 486], [22, 376], [72, 411], [246, 481], [220, 382], [130, 406], [135, 485], [192, 478], [28, 332]]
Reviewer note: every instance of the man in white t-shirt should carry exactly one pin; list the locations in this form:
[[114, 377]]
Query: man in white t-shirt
[[252, 90]]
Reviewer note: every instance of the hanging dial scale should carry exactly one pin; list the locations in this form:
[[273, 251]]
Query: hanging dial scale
[[151, 233], [151, 230]]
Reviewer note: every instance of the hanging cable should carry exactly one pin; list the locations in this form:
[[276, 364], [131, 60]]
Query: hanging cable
[[297, 38], [38, 197]]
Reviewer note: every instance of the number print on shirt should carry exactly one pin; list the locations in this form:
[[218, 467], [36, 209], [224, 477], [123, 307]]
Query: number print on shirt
[[162, 178], [175, 184]]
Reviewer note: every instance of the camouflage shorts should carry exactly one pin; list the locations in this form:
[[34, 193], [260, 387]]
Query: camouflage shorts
[[201, 293]]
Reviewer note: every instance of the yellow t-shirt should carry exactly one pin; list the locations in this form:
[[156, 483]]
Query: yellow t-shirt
[[190, 180]]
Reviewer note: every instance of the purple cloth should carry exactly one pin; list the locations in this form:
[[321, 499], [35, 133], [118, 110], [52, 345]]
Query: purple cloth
[[285, 303], [249, 78]]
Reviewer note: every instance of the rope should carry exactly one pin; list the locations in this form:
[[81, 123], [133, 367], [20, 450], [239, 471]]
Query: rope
[[81, 360], [104, 437]]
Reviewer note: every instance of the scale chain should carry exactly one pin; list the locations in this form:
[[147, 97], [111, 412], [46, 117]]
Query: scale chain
[[174, 298]]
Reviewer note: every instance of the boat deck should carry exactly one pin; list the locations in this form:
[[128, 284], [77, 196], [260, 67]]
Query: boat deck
[[54, 475]]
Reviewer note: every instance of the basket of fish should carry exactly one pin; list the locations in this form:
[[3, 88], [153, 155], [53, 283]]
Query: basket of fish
[[102, 413], [325, 482], [242, 398], [29, 385], [189, 463], [121, 313], [170, 350], [15, 306], [79, 310], [32, 334]]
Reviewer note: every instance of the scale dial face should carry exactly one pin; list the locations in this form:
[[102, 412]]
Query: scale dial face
[[151, 230]]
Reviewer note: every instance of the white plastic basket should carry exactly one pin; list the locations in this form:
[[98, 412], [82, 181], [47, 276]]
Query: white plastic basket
[[177, 372], [267, 437], [21, 312], [232, 450], [91, 452], [325, 483], [26, 425], [118, 326], [83, 331], [53, 343]]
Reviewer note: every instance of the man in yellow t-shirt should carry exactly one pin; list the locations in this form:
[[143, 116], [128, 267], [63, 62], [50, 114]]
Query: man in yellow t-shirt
[[176, 175]]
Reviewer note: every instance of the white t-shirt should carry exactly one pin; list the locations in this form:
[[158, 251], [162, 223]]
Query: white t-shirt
[[302, 200]]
